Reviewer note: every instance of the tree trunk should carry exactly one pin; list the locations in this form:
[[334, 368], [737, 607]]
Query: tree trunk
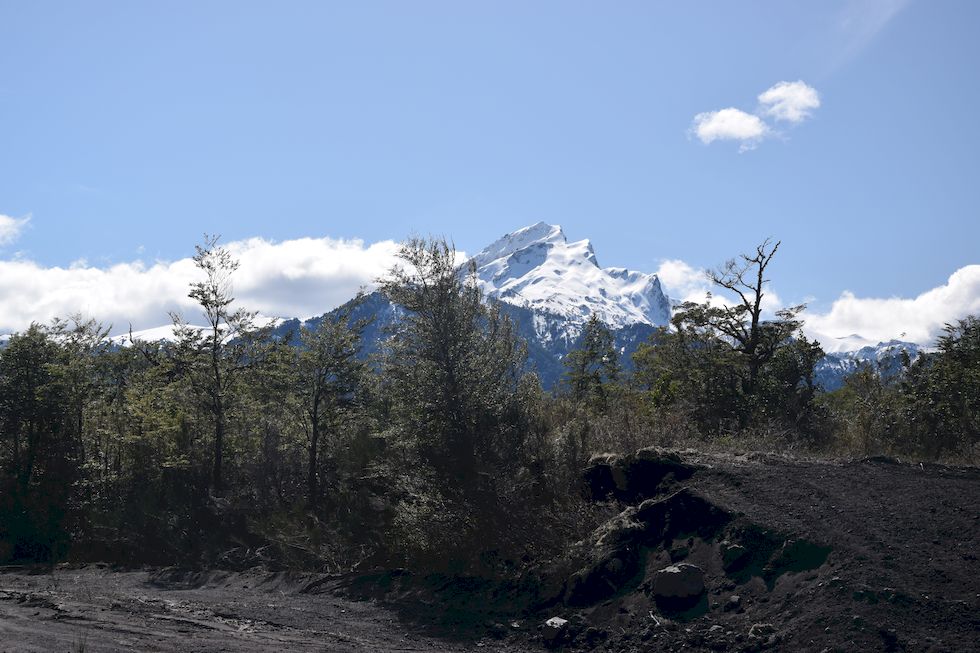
[[219, 436], [311, 480], [219, 412]]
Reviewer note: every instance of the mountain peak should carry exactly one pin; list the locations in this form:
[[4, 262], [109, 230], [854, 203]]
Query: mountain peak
[[541, 233], [536, 267]]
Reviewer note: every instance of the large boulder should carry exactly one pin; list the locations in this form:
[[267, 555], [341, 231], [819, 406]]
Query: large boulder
[[554, 631], [680, 584]]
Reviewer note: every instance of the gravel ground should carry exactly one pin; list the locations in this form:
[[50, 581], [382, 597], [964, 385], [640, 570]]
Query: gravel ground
[[97, 609]]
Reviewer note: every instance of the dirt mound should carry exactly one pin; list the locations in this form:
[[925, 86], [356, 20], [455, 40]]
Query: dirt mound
[[732, 553], [737, 553], [769, 553]]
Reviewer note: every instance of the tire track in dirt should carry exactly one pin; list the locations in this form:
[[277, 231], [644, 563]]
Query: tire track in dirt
[[97, 610]]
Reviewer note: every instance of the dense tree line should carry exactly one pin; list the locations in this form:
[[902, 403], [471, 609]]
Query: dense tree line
[[231, 446]]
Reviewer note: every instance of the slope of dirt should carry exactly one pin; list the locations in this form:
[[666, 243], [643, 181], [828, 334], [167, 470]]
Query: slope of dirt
[[866, 555]]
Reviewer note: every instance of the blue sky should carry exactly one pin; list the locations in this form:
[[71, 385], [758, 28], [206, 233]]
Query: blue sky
[[128, 129]]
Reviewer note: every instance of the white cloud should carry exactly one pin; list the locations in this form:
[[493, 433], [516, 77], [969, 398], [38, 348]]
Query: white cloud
[[293, 278], [920, 319], [683, 282], [786, 101], [11, 228], [872, 320], [790, 101], [729, 124], [308, 276]]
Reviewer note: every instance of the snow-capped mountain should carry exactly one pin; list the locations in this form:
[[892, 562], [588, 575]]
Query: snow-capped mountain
[[165, 333], [168, 332], [844, 344], [537, 269], [550, 287], [885, 358]]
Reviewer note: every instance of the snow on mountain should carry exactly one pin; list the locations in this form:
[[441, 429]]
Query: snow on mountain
[[851, 343], [163, 333], [167, 332], [885, 358], [550, 287], [538, 269]]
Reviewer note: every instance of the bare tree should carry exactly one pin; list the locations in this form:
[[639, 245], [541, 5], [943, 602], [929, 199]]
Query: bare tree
[[755, 339]]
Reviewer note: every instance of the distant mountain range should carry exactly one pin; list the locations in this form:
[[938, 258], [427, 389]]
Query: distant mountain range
[[885, 358], [550, 287]]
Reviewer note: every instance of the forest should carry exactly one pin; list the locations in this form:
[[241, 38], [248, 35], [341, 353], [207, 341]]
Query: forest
[[230, 447]]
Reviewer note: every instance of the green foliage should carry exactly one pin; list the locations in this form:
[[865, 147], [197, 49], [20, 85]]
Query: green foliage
[[216, 355], [330, 383], [451, 375], [692, 369], [931, 410], [592, 368], [941, 393], [38, 459], [442, 452], [727, 367], [452, 365]]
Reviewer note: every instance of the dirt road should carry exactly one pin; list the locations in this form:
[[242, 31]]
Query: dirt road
[[95, 609]]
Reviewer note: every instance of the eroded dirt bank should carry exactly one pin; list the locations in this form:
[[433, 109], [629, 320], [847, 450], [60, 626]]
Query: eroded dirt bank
[[868, 555]]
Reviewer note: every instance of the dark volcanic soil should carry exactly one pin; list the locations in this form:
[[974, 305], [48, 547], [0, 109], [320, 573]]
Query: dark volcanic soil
[[889, 562], [900, 573], [95, 609]]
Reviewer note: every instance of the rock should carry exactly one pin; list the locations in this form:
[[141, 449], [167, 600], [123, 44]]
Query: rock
[[680, 583], [733, 556], [734, 602], [686, 511], [796, 556], [554, 631], [761, 631]]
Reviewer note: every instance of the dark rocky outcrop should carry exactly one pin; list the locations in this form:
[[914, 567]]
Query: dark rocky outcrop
[[613, 555], [632, 478]]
